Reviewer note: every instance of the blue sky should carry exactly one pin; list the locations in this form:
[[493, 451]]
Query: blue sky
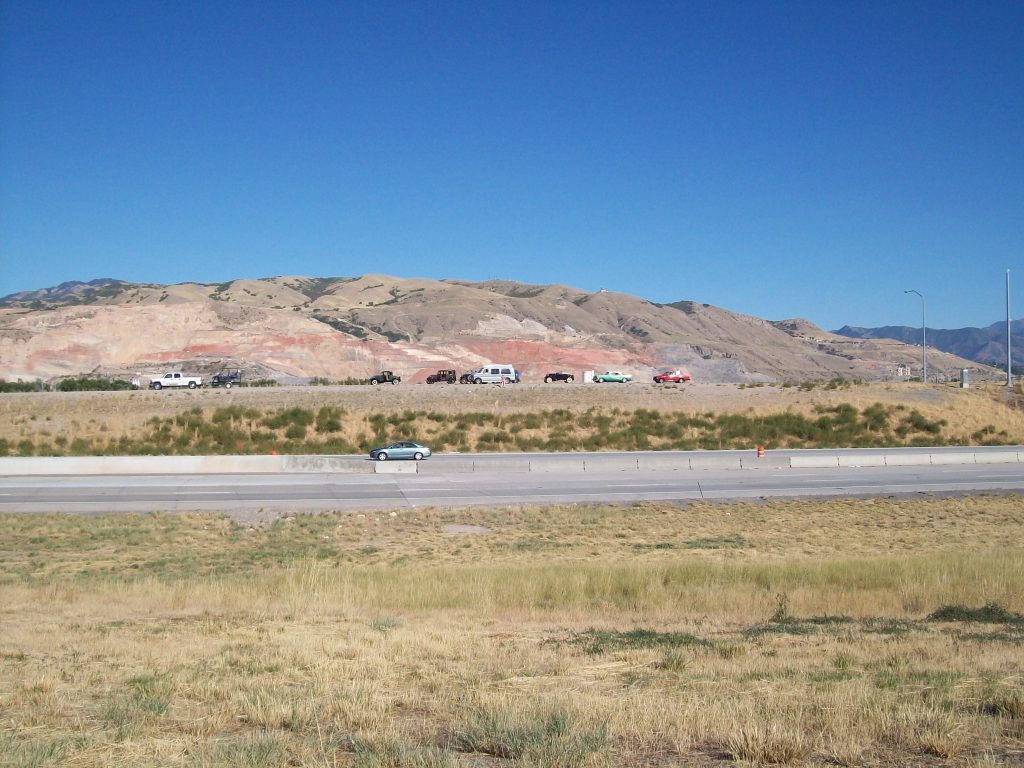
[[781, 159]]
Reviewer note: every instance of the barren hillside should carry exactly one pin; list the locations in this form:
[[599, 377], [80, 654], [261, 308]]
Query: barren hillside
[[293, 328]]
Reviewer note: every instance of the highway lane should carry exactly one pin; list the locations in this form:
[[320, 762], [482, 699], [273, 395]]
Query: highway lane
[[248, 493]]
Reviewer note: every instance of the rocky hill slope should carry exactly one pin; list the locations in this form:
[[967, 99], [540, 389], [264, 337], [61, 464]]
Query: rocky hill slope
[[337, 328]]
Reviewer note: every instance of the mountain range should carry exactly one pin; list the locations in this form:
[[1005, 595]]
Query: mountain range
[[295, 328], [983, 345]]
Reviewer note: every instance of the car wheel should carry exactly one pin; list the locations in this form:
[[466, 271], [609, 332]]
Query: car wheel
[[394, 381], [418, 456], [547, 379], [191, 385], [477, 381], [382, 456], [157, 385], [373, 382], [227, 385], [570, 379]]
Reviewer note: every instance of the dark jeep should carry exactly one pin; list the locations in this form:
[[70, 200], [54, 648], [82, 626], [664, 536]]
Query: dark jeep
[[228, 378]]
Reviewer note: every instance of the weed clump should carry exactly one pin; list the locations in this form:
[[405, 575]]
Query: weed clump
[[990, 613]]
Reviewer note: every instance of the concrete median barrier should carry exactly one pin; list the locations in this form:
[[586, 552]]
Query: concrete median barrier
[[861, 460], [565, 464], [610, 464], [502, 465], [814, 461], [453, 466], [490, 463], [997, 457], [907, 459], [713, 461], [136, 465], [959, 457], [667, 463], [335, 464], [395, 467], [768, 461]]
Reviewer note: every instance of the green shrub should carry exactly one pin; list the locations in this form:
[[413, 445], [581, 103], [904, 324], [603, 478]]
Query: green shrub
[[89, 385], [22, 386]]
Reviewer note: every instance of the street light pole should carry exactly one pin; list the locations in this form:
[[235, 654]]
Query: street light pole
[[924, 341]]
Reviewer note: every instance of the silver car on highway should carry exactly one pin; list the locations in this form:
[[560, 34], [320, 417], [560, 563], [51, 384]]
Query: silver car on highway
[[404, 449]]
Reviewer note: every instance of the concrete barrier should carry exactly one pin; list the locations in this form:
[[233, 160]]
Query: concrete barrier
[[814, 461], [502, 465], [454, 466], [136, 465], [959, 457], [907, 459], [862, 460], [713, 461], [644, 462], [610, 464], [336, 464], [563, 464], [768, 461], [666, 463], [395, 467], [996, 457]]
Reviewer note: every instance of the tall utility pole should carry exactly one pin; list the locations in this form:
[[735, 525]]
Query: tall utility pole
[[924, 341], [1009, 360]]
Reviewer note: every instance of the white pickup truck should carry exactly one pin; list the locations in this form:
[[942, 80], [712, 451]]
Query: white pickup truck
[[176, 379]]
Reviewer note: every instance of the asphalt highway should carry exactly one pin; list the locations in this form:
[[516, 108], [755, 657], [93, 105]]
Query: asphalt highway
[[248, 493]]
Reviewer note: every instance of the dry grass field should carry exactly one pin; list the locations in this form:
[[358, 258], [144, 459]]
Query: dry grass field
[[841, 633], [456, 417], [884, 632]]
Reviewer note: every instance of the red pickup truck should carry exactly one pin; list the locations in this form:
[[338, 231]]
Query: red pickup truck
[[676, 377]]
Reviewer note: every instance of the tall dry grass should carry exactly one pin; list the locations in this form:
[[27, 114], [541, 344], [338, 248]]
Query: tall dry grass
[[605, 636]]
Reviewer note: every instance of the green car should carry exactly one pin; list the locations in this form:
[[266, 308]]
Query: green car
[[616, 376]]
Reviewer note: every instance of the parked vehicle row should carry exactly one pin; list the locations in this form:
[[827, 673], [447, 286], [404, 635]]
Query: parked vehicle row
[[508, 374], [488, 374]]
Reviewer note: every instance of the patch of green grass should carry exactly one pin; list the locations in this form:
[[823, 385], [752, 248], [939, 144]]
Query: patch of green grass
[[555, 738], [990, 613], [595, 641], [717, 542], [263, 750], [395, 754]]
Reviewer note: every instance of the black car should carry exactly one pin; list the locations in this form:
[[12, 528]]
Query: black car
[[385, 377], [560, 376], [444, 376]]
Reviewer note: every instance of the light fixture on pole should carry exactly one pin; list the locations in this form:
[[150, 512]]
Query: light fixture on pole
[[924, 341]]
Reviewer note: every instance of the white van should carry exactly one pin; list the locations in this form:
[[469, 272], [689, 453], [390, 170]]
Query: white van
[[496, 374]]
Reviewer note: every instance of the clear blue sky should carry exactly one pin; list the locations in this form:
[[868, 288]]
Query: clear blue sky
[[781, 159]]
